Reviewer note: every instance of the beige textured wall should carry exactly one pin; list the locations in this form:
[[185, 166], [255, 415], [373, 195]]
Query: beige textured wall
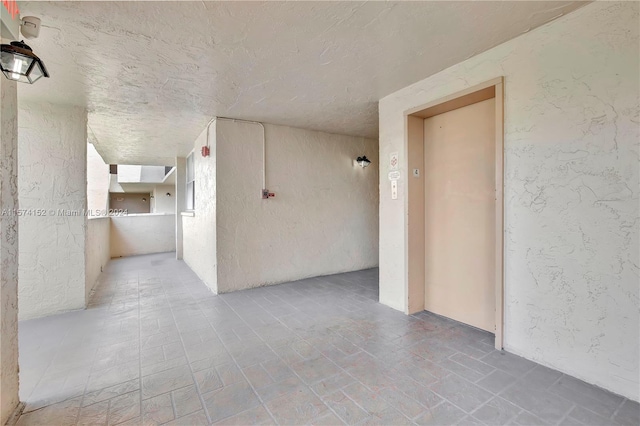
[[8, 249], [199, 231], [52, 178], [131, 202], [160, 202], [571, 190], [324, 217], [97, 182], [98, 251]]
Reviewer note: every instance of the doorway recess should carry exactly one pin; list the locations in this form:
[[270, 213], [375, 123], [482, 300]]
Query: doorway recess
[[491, 95]]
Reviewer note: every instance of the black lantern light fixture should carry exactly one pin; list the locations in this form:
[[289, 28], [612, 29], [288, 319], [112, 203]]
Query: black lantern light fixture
[[19, 63], [363, 161]]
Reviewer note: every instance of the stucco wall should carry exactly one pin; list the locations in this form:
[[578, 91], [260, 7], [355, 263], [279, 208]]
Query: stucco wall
[[571, 190], [323, 219], [52, 176], [98, 250], [160, 202], [97, 182], [129, 173], [8, 249], [142, 234], [152, 174], [114, 186], [130, 202], [199, 231]]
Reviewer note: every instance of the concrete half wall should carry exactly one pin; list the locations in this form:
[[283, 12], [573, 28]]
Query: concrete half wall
[[142, 234], [571, 190], [323, 219], [52, 179]]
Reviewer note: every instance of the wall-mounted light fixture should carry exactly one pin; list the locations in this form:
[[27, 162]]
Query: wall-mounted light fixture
[[363, 161], [144, 198], [17, 60], [168, 194], [19, 63]]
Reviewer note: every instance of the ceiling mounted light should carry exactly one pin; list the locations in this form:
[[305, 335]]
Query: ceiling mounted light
[[363, 161], [19, 63]]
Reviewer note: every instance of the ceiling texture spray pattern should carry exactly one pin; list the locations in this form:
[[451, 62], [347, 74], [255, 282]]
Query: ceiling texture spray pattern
[[152, 74]]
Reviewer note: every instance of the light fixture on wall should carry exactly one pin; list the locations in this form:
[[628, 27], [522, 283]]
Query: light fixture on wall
[[19, 63], [144, 198], [363, 161], [17, 60], [168, 194]]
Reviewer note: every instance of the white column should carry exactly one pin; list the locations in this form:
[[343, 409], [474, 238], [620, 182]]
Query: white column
[[181, 201], [8, 249]]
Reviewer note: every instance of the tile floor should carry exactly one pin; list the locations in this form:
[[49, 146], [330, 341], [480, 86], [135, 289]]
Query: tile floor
[[156, 347]]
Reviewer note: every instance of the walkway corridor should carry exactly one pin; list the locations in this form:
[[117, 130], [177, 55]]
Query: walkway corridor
[[156, 347]]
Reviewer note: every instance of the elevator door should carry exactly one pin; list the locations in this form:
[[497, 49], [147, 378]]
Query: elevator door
[[459, 150]]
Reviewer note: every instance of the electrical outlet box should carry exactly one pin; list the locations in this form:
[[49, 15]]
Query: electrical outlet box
[[266, 194]]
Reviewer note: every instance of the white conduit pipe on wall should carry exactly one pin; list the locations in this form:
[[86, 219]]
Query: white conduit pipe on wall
[[264, 158]]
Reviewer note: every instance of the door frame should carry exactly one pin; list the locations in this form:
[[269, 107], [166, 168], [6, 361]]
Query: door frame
[[414, 146]]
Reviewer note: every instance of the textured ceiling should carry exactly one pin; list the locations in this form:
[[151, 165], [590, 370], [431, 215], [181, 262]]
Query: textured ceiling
[[152, 74]]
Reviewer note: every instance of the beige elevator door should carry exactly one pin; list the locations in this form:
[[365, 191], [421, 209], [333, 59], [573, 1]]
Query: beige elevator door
[[459, 153]]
